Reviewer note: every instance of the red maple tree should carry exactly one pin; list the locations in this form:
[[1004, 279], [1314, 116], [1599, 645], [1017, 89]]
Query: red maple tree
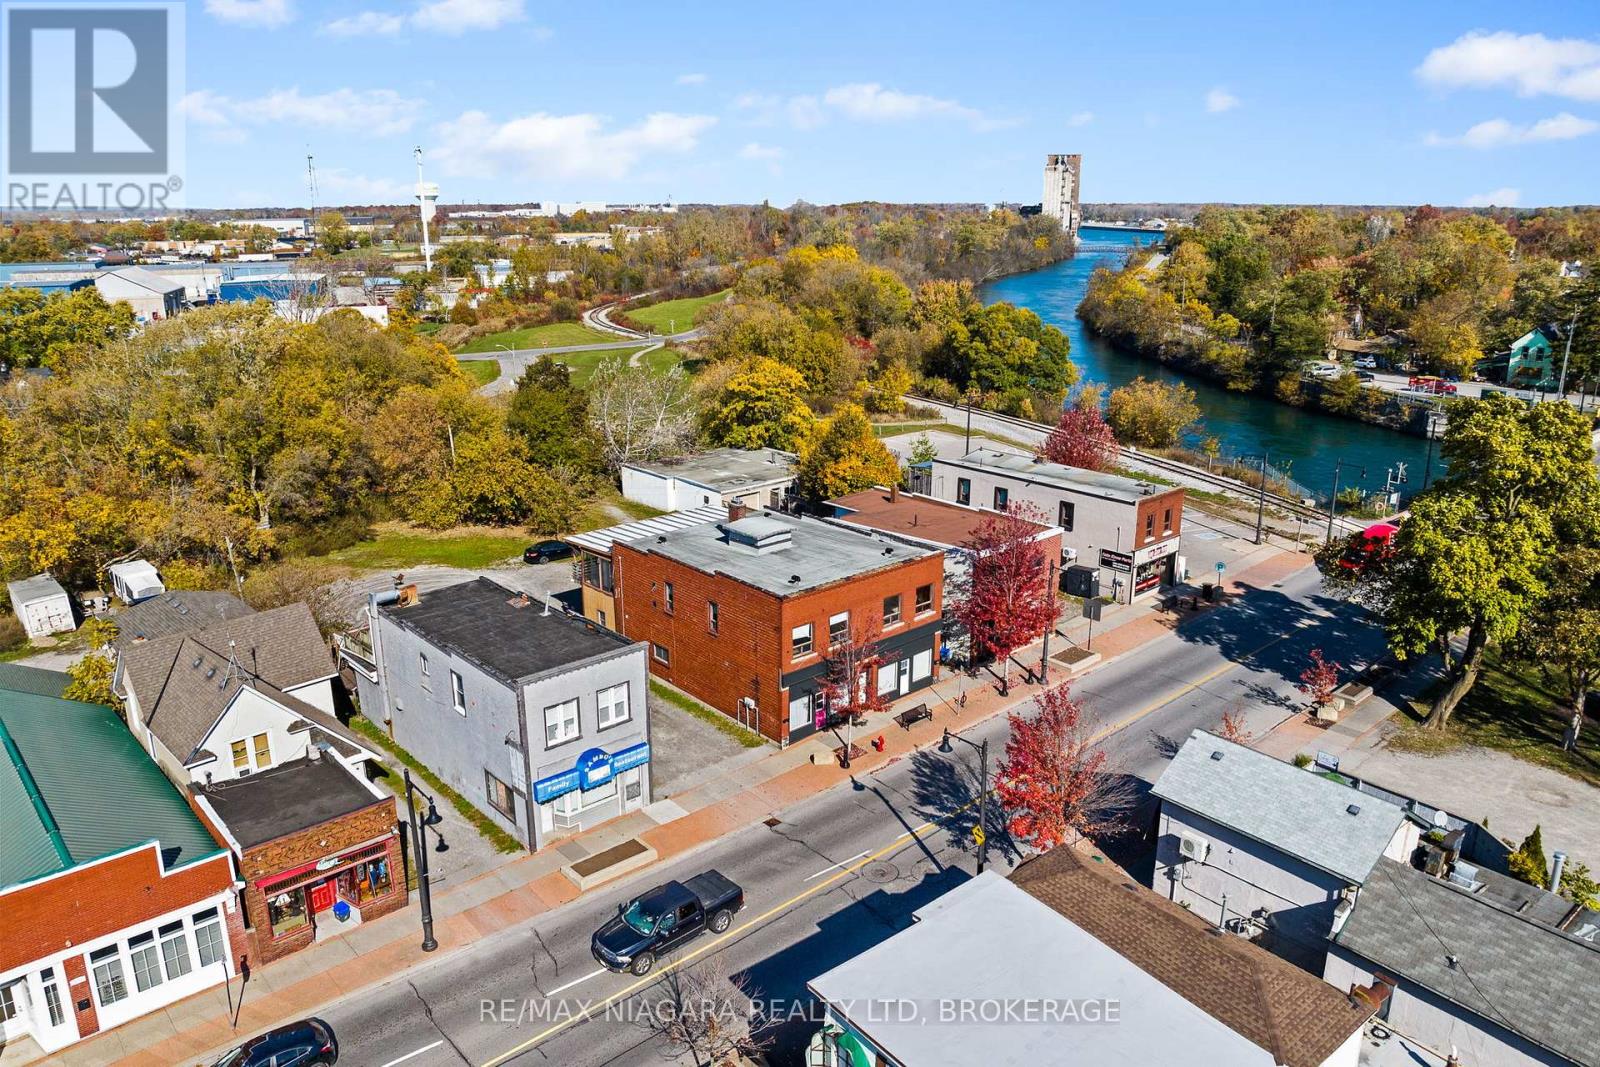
[[1319, 680], [1232, 727], [1054, 780], [1008, 598], [851, 687], [1082, 438]]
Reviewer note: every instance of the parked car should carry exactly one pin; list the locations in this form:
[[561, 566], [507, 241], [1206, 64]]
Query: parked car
[[1366, 363], [1326, 370], [663, 918], [1432, 383], [547, 552], [307, 1043], [1366, 376]]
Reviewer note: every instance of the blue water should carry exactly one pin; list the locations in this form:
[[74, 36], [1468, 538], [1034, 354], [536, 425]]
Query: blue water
[[1304, 445]]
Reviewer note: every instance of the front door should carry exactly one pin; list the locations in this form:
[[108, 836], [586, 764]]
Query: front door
[[322, 896], [905, 677]]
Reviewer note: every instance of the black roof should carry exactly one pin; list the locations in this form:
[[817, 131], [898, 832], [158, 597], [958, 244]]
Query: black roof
[[505, 632], [287, 799]]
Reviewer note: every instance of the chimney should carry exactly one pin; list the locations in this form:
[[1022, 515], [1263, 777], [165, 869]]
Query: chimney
[[894, 494], [1559, 862], [736, 510]]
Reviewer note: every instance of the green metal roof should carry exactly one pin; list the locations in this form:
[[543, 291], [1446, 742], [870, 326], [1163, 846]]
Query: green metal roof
[[24, 679], [75, 786]]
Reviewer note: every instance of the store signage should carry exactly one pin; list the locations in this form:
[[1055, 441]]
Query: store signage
[[327, 863], [595, 767], [1117, 561], [1158, 551]]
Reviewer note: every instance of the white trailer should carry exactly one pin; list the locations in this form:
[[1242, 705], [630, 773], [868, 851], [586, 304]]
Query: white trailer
[[134, 581]]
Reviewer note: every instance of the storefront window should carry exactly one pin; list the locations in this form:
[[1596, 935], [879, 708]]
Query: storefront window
[[175, 950], [109, 981], [146, 962], [372, 879], [287, 911], [208, 936]]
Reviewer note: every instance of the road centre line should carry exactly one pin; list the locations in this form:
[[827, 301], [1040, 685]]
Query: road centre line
[[831, 866], [577, 981], [413, 1055]]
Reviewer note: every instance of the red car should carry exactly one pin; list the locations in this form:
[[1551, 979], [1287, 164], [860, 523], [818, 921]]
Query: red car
[[1368, 546], [1432, 383]]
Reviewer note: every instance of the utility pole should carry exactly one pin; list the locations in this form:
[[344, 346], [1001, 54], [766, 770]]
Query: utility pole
[[1433, 428], [1261, 503], [426, 196], [1572, 327], [1333, 501]]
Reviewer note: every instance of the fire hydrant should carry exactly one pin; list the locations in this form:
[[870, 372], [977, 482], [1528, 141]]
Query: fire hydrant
[[878, 742]]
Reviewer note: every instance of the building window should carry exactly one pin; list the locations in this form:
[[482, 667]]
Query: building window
[[922, 665], [1166, 521], [109, 982], [175, 950], [560, 723], [422, 666], [241, 757], [613, 705], [891, 610], [713, 615], [372, 879], [800, 641], [251, 754], [208, 941], [1002, 497], [602, 616], [924, 599], [799, 712], [501, 798], [888, 677], [1065, 514], [286, 911], [146, 962], [1150, 525], [666, 598], [839, 629], [8, 1000], [263, 746], [661, 654], [458, 693], [52, 996]]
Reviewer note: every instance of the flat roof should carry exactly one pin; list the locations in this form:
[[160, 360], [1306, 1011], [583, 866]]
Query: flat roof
[[918, 517], [27, 590], [1076, 479], [600, 541], [724, 469], [814, 554], [506, 633], [989, 942], [286, 799]]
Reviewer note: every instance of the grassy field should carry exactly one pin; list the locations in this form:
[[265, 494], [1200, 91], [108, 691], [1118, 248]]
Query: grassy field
[[483, 371], [397, 545], [663, 359], [582, 364], [551, 336], [679, 699], [673, 315], [895, 429], [1512, 709]]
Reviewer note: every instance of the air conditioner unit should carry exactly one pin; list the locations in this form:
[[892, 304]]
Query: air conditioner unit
[[1464, 875], [1193, 847]]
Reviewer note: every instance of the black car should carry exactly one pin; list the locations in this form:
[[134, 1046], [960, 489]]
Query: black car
[[303, 1044], [547, 552], [663, 918]]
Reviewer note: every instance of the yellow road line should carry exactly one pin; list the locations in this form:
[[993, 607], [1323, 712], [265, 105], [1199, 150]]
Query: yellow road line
[[898, 842]]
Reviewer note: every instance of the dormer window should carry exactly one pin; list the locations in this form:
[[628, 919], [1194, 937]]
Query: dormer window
[[251, 754]]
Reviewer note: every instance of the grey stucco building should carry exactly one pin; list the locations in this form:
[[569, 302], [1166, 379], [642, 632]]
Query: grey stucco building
[[536, 716]]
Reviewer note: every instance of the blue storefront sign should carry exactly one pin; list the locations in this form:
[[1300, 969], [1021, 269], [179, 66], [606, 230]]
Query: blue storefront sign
[[595, 767]]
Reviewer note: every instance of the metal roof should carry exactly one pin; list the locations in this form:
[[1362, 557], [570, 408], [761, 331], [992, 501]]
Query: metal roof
[[1075, 479], [38, 587], [36, 680], [600, 541], [724, 469], [1298, 812], [1508, 968], [75, 786]]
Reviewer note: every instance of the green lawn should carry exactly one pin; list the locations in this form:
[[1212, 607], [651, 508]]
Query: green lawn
[[402, 546], [551, 336], [428, 328], [663, 359], [895, 429], [483, 371], [673, 315], [582, 365]]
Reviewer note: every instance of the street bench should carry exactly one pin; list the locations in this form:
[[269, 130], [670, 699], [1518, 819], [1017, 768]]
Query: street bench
[[920, 713]]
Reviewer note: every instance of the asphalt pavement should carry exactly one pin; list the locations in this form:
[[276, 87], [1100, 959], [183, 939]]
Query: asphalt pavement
[[840, 871]]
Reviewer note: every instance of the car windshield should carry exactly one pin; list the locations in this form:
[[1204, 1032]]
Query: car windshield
[[642, 921], [232, 1059]]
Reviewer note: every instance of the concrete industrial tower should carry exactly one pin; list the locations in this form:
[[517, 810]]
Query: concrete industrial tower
[[1061, 177]]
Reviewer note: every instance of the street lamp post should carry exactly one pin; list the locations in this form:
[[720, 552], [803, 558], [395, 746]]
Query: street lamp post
[[983, 788], [1261, 501], [1434, 415], [419, 848], [1561, 385], [1333, 501], [1044, 657]]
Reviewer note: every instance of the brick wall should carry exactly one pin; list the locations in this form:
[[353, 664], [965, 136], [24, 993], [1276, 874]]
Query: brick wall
[[1154, 509], [309, 846]]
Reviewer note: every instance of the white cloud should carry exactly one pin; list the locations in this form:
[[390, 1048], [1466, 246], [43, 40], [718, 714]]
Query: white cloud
[[365, 24], [768, 154], [541, 145], [1080, 118], [1502, 197], [375, 111], [871, 102], [1530, 63], [692, 79], [1219, 100], [251, 12], [1497, 133]]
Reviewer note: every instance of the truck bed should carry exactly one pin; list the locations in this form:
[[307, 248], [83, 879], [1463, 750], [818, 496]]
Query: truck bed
[[713, 889]]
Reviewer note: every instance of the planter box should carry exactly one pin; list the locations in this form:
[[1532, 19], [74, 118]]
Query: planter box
[[612, 863]]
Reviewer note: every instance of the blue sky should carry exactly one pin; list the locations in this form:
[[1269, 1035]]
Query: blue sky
[[514, 100]]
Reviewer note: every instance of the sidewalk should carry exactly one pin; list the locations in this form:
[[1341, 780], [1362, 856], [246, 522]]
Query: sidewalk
[[386, 948]]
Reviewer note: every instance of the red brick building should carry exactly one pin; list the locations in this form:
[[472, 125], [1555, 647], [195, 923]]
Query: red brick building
[[115, 900], [743, 613]]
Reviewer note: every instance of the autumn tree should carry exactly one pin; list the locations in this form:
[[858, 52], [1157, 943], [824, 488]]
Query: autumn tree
[[551, 416], [1153, 414], [1233, 728], [638, 414], [842, 455], [36, 330], [704, 1012], [852, 658], [761, 405], [1082, 438], [300, 581], [1054, 780], [1009, 599], [1562, 634], [1319, 680]]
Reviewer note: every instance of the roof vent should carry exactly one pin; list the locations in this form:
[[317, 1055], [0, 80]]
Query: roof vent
[[192, 666], [1216, 753], [888, 551], [1354, 809], [661, 539], [211, 672], [794, 579]]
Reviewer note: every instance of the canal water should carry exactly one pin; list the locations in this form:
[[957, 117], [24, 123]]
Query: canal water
[[1304, 445]]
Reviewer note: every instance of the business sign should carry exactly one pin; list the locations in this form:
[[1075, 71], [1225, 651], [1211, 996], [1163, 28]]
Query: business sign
[[594, 768], [1157, 551], [1117, 561]]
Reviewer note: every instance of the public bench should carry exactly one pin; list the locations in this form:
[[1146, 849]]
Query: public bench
[[920, 713]]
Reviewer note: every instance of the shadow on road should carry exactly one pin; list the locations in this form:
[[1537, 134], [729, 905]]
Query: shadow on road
[[945, 788]]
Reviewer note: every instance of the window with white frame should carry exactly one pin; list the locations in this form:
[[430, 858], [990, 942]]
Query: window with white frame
[[422, 669], [888, 677], [662, 656], [11, 995], [891, 610], [175, 950], [52, 996], [838, 629], [666, 599], [922, 665], [110, 983], [560, 722], [251, 754], [146, 961], [458, 693], [613, 705], [924, 598], [208, 937], [800, 642]]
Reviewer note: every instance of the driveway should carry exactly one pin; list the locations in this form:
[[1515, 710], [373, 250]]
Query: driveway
[[541, 582]]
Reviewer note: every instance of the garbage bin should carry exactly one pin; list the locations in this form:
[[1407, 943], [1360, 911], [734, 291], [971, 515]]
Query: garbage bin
[[341, 911], [1209, 591]]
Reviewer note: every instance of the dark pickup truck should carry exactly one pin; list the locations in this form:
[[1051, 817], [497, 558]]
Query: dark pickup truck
[[663, 918]]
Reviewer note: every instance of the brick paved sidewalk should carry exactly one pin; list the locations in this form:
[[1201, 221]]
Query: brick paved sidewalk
[[387, 947]]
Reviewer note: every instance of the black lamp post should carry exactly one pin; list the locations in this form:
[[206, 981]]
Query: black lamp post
[[983, 787], [419, 848], [1333, 501], [1434, 415]]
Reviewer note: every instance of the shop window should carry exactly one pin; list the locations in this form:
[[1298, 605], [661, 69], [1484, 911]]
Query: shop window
[[922, 665], [175, 950], [371, 879], [501, 798], [110, 984], [613, 705], [52, 996], [800, 711], [661, 654], [146, 961], [839, 629], [287, 912], [800, 643], [963, 490], [560, 722], [891, 610], [208, 937], [1002, 497], [1065, 514], [10, 1001], [888, 678], [713, 616], [924, 599], [458, 693], [632, 784], [666, 598]]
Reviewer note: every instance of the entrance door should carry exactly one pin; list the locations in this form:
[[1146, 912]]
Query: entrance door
[[322, 896], [905, 677]]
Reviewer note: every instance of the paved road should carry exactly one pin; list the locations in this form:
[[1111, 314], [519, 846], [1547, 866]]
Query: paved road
[[841, 872]]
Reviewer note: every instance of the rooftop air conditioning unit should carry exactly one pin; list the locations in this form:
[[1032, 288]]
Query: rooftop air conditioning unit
[[1193, 847], [1464, 875]]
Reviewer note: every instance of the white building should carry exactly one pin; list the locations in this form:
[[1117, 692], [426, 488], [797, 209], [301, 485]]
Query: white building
[[1061, 190], [152, 296], [41, 605], [756, 478]]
